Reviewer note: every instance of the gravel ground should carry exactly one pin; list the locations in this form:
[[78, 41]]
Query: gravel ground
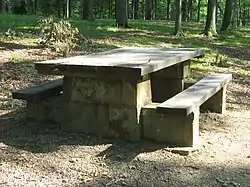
[[41, 155], [45, 156]]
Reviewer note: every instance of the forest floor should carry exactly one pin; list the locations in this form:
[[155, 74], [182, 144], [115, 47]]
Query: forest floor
[[42, 155]]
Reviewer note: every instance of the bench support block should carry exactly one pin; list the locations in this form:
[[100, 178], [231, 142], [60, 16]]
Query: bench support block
[[216, 103], [37, 111], [178, 130]]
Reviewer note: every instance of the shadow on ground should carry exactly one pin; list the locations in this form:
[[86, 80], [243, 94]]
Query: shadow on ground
[[13, 46], [34, 137]]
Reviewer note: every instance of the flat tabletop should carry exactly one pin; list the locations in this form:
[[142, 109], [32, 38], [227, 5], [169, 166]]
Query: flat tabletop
[[137, 60]]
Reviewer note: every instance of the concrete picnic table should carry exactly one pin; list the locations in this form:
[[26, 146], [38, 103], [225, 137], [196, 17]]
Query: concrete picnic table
[[103, 93]]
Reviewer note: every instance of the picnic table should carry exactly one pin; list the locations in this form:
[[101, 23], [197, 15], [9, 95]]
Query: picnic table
[[103, 93]]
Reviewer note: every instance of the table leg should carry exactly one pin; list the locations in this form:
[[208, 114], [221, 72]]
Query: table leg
[[168, 82], [105, 107]]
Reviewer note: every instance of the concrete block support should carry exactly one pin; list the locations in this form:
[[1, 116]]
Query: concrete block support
[[175, 130], [38, 111], [216, 103], [168, 82], [164, 88], [106, 107], [48, 109]]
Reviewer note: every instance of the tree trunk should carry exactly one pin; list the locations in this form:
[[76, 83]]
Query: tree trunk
[[178, 30], [210, 27], [110, 8], [227, 15], [59, 11], [70, 8], [199, 11], [244, 14], [87, 6], [149, 9], [135, 8], [129, 10], [19, 7], [239, 14], [2, 6], [168, 9], [235, 14], [190, 10], [121, 13], [66, 9], [154, 9], [35, 7], [184, 10]]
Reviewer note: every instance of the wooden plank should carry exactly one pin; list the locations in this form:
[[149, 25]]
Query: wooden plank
[[39, 91], [186, 101], [142, 60]]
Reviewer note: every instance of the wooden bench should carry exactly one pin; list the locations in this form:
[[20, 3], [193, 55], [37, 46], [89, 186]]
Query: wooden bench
[[37, 97], [176, 121]]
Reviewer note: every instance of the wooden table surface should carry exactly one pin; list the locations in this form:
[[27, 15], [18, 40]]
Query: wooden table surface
[[136, 60]]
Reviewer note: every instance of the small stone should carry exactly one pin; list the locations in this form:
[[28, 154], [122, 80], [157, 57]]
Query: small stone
[[123, 176], [64, 181], [224, 184], [119, 156], [123, 183], [132, 167], [104, 174], [155, 167], [248, 156], [220, 180], [235, 183], [72, 160], [165, 180]]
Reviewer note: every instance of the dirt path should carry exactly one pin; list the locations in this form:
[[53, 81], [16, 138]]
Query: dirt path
[[42, 155]]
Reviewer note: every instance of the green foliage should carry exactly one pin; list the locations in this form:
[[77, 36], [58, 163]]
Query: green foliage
[[16, 58], [59, 35]]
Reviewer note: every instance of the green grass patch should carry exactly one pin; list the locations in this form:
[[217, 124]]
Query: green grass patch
[[104, 35]]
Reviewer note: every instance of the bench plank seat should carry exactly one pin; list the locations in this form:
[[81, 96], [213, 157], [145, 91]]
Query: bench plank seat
[[186, 101], [40, 91]]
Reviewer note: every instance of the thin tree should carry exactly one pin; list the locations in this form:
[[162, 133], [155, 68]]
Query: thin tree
[[87, 6], [2, 6], [178, 30], [149, 9], [199, 11], [121, 13], [190, 10], [210, 26], [135, 9], [66, 14], [227, 19], [184, 10], [168, 9]]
